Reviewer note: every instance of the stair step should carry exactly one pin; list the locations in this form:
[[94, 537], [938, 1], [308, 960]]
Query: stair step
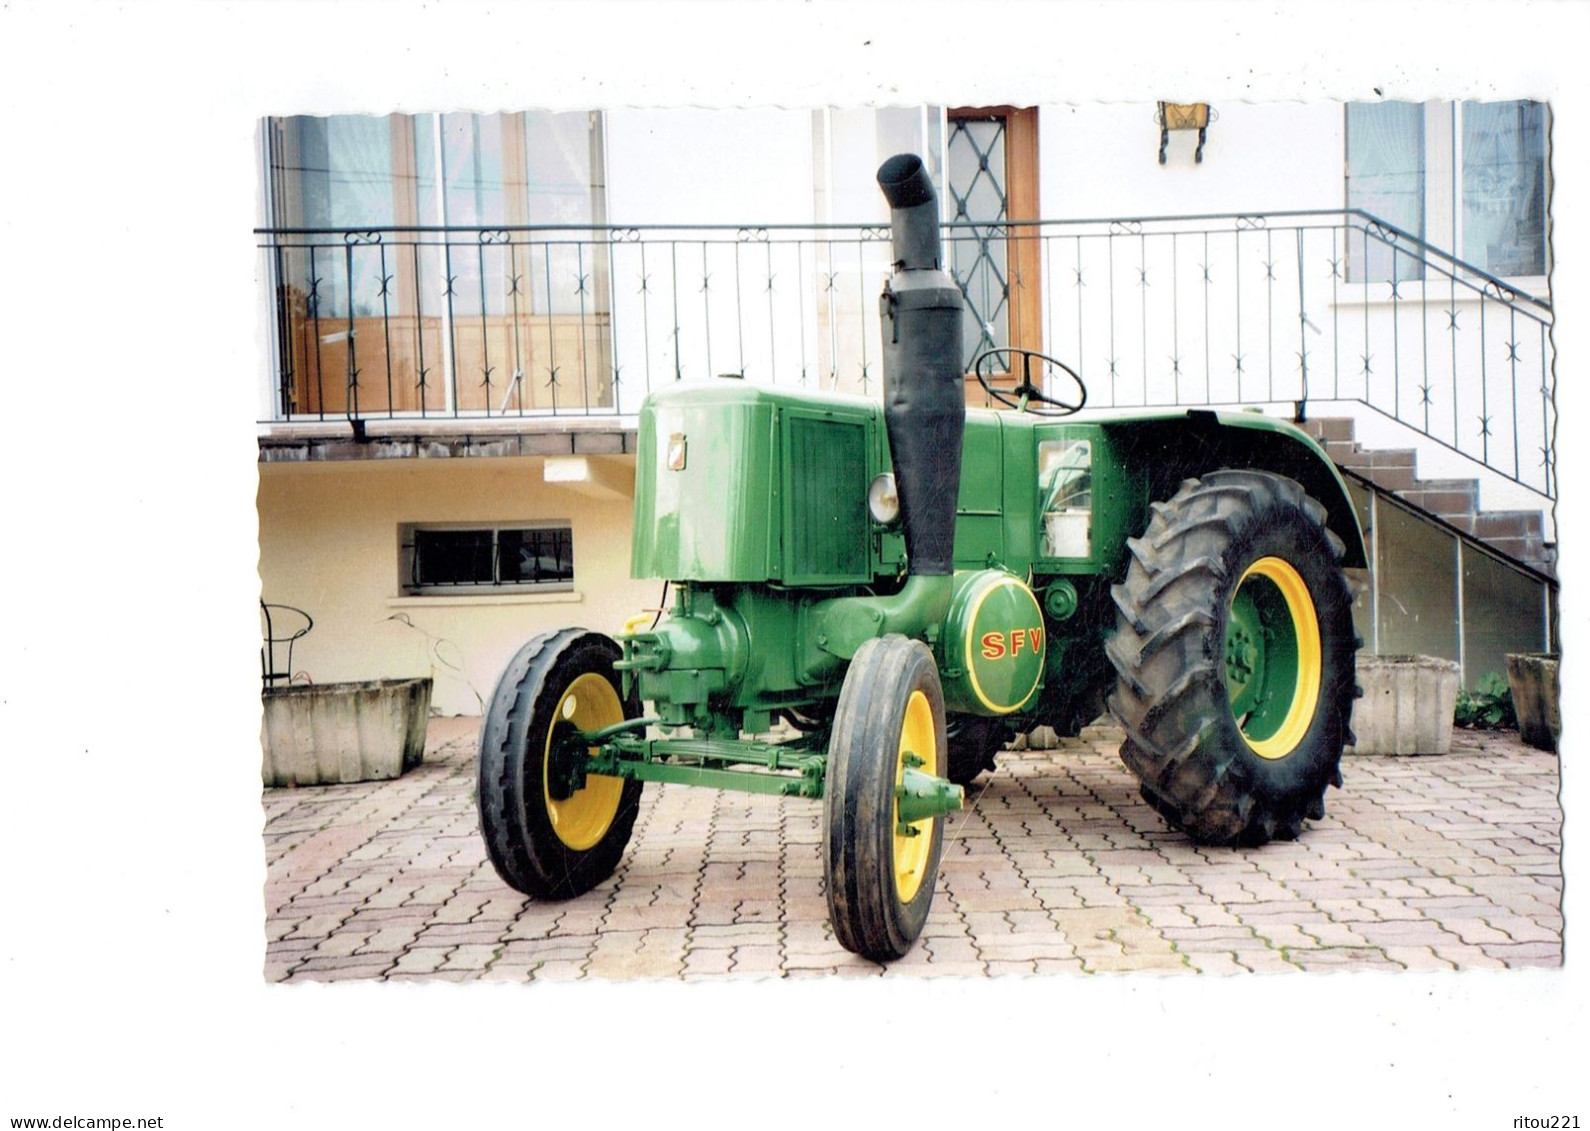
[[1330, 428], [1445, 502], [1379, 457], [1395, 479], [1495, 525], [1469, 486]]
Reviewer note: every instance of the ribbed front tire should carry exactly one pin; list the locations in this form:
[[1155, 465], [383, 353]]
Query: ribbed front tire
[[542, 843], [880, 874]]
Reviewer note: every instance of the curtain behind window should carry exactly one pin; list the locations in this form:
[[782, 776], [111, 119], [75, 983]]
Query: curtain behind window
[[1504, 187], [1385, 177]]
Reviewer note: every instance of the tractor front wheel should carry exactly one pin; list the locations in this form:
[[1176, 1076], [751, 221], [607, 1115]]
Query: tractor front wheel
[[1234, 651], [553, 832], [881, 872]]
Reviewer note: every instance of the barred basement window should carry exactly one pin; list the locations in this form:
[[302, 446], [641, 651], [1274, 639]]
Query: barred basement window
[[458, 559]]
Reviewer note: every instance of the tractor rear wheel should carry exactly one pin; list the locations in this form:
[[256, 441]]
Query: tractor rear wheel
[[544, 837], [881, 873], [1234, 655]]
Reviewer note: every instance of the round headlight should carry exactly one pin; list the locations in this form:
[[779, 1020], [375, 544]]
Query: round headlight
[[883, 500]]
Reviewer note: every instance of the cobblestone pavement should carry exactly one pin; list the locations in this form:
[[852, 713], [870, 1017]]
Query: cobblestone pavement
[[1435, 863]]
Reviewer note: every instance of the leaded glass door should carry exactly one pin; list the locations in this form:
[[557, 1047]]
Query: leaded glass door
[[991, 180]]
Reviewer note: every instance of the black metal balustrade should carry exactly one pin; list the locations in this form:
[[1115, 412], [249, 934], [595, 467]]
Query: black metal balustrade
[[1216, 310]]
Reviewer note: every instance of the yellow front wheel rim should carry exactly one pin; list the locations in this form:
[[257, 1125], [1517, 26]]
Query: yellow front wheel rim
[[1273, 657], [911, 850], [583, 818]]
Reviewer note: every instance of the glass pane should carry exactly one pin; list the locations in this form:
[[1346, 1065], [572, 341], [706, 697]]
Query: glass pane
[[336, 173], [1065, 492], [1504, 187], [536, 556], [563, 185], [452, 557], [473, 183], [979, 262], [1385, 177], [1503, 611], [1418, 586]]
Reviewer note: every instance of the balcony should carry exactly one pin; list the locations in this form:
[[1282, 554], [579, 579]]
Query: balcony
[[544, 339]]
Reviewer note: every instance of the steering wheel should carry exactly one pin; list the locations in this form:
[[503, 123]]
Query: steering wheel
[[1026, 394]]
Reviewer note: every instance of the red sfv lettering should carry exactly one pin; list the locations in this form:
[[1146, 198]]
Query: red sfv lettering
[[997, 645]]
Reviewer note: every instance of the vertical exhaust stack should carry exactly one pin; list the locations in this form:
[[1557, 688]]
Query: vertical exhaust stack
[[924, 399]]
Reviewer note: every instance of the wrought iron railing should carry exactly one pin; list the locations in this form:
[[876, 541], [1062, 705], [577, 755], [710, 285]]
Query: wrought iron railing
[[1214, 310]]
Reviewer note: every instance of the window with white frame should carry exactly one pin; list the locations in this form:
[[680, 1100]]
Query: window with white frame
[[1468, 177], [454, 559]]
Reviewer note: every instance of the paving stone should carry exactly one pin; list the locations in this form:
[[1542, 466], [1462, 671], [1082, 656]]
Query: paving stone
[[340, 973], [1343, 958], [708, 962], [421, 960], [1215, 962], [558, 970], [471, 956], [1525, 954], [1522, 930], [1475, 932], [1170, 963], [1419, 959], [757, 961], [565, 948]]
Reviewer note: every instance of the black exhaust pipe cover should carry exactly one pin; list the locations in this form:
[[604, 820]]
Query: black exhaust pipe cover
[[924, 395]]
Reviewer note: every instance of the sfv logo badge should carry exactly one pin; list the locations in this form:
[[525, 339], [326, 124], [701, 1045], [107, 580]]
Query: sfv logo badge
[[997, 645]]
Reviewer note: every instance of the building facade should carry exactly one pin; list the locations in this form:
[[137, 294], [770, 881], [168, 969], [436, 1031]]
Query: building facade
[[466, 310]]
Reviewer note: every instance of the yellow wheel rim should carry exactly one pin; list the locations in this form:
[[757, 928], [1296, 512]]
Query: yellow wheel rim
[[1273, 657], [582, 819], [911, 852]]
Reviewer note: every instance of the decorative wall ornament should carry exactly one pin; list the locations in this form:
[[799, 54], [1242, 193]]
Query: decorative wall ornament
[[1184, 116]]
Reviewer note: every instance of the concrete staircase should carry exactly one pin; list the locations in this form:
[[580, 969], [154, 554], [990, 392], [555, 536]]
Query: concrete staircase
[[1516, 535]]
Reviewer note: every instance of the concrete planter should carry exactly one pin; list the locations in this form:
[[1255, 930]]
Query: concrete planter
[[1533, 681], [322, 734], [1407, 705]]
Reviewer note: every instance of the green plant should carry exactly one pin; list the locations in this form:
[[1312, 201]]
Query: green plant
[[1487, 707]]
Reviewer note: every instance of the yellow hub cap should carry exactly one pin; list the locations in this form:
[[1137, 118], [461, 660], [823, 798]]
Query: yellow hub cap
[[1273, 657], [911, 852], [581, 820]]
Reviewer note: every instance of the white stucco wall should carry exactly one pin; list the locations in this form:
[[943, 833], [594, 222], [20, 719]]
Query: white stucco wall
[[329, 545], [1103, 161]]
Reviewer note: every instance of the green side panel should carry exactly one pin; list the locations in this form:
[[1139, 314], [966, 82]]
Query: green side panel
[[746, 483], [980, 512], [826, 522], [705, 514]]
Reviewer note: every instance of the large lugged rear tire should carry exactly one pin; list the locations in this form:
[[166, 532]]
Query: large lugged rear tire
[[1234, 654], [546, 845], [880, 875]]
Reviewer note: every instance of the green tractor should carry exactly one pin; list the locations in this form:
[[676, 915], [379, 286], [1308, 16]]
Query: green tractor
[[870, 599]]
